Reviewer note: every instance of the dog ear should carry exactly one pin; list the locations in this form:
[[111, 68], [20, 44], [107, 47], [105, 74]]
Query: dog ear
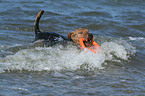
[[69, 35], [85, 34]]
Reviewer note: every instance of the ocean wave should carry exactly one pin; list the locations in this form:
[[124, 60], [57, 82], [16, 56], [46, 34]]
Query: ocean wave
[[94, 13], [66, 58], [136, 38]]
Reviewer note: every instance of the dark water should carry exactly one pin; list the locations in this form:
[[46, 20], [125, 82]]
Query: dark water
[[117, 70]]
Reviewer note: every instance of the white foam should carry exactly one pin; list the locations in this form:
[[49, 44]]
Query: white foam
[[60, 58], [111, 48], [136, 38]]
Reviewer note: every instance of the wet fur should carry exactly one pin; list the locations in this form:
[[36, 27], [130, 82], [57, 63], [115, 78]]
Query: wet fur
[[45, 38]]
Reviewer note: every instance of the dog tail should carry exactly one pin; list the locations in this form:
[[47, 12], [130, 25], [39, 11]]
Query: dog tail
[[36, 23]]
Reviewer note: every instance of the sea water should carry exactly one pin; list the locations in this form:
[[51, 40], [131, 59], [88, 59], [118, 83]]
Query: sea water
[[64, 69]]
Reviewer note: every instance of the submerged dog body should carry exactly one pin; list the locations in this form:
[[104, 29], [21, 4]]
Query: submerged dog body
[[45, 38]]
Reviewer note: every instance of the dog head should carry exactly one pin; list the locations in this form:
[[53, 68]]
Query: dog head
[[77, 34]]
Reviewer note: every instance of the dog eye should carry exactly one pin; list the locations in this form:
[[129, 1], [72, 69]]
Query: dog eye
[[89, 40]]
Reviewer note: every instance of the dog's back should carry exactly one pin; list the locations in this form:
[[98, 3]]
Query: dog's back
[[45, 37]]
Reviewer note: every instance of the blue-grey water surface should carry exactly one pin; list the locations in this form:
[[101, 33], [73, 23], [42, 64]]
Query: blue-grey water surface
[[118, 69]]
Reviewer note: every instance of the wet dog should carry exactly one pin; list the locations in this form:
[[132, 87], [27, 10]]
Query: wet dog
[[45, 38], [50, 38]]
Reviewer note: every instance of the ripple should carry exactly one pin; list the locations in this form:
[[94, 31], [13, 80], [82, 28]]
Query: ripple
[[94, 13]]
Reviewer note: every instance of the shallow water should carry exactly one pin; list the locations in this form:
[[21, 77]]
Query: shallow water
[[118, 68]]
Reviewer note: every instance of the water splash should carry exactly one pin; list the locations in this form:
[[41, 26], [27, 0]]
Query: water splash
[[65, 58], [136, 38]]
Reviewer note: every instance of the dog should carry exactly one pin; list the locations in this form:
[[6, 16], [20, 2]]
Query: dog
[[45, 38], [50, 38]]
